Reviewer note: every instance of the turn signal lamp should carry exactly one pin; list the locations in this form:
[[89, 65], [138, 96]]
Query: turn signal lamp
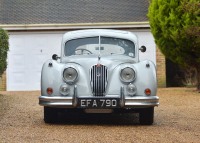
[[147, 91], [49, 90]]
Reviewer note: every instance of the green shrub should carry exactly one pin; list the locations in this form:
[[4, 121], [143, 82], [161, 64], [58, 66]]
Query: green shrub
[[175, 25], [4, 47]]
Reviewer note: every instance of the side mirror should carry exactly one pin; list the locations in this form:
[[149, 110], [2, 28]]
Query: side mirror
[[55, 57], [143, 49]]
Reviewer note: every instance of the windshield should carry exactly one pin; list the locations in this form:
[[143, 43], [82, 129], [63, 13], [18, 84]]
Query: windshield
[[106, 46]]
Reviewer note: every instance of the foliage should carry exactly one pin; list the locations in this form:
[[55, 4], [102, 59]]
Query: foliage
[[190, 77], [4, 47], [175, 25]]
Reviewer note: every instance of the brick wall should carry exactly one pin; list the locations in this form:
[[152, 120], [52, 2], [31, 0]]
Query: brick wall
[[161, 68], [3, 82]]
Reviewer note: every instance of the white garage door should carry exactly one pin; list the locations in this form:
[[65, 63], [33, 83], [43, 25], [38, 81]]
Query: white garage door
[[28, 51]]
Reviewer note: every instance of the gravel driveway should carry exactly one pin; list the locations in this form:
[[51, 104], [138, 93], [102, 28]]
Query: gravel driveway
[[177, 119]]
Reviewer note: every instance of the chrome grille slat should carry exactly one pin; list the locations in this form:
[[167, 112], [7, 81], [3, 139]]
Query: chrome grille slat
[[98, 79]]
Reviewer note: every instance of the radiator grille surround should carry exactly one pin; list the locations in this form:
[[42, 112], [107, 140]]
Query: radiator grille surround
[[99, 78]]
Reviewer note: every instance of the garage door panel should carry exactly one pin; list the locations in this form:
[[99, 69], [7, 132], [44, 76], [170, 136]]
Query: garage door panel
[[37, 64], [28, 51], [39, 49], [17, 80], [17, 41], [35, 81], [18, 77], [17, 61]]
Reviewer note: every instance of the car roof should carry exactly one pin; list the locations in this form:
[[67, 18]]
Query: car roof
[[99, 32]]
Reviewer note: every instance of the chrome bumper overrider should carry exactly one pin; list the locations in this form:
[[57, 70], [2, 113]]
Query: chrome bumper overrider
[[125, 102]]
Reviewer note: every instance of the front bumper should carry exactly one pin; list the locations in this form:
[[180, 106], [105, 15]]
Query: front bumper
[[128, 102], [125, 102]]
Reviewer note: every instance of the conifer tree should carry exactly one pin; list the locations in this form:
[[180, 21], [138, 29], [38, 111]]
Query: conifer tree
[[175, 25]]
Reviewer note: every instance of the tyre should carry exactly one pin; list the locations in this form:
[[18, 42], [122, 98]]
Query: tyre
[[50, 115], [146, 116]]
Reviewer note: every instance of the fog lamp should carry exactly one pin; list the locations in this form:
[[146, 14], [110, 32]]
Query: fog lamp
[[64, 89], [49, 90], [147, 91], [131, 89]]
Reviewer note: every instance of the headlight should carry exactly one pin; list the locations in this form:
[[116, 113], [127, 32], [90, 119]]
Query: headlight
[[70, 75], [127, 74]]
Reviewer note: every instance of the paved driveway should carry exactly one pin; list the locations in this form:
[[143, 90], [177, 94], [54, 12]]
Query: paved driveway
[[177, 119]]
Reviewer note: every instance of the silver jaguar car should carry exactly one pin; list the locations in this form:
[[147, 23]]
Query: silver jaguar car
[[99, 71]]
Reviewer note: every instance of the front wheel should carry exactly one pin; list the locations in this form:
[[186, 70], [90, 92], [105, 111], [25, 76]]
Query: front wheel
[[146, 116]]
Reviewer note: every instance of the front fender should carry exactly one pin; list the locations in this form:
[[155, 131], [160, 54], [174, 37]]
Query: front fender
[[51, 76], [145, 78]]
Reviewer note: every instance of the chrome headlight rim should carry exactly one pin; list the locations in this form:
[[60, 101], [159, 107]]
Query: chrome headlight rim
[[74, 79], [131, 69]]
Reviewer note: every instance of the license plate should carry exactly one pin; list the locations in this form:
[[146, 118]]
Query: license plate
[[98, 102]]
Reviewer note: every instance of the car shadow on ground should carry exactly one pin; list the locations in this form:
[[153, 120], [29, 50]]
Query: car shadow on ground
[[98, 119]]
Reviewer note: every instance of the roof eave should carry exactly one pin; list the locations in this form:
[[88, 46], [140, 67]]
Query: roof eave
[[16, 27]]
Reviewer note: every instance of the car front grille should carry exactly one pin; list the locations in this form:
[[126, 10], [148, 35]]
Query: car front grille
[[98, 75]]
